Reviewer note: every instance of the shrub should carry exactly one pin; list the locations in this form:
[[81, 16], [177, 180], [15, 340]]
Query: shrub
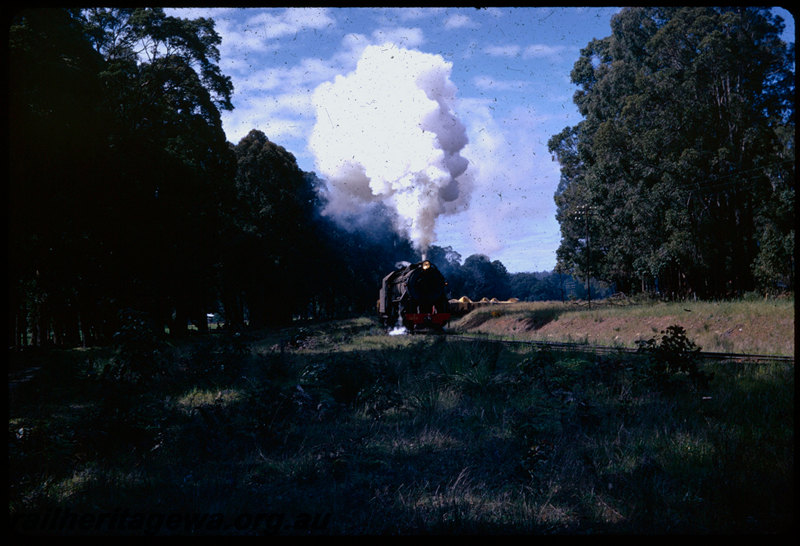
[[138, 351], [673, 353]]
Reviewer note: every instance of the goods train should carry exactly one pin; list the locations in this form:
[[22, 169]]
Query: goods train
[[414, 296]]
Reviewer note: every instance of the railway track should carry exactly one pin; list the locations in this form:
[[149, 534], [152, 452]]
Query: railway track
[[603, 349]]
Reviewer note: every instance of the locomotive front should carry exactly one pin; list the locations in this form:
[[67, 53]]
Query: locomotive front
[[414, 296]]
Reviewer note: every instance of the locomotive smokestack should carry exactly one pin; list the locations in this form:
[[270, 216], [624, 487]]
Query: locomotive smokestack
[[387, 133]]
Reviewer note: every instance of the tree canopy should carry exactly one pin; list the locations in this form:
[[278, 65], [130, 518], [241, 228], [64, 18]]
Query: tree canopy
[[680, 177], [120, 169]]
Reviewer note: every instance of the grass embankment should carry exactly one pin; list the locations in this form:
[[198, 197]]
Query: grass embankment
[[742, 326], [341, 429]]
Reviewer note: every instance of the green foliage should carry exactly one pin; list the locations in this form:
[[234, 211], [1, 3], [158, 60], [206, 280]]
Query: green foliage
[[484, 278], [136, 168], [139, 351], [674, 353], [268, 260], [685, 156], [355, 381]]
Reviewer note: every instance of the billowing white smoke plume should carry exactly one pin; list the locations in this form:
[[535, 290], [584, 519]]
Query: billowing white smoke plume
[[387, 132]]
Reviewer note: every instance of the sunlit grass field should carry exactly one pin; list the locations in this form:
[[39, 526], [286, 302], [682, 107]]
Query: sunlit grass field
[[339, 429], [754, 326]]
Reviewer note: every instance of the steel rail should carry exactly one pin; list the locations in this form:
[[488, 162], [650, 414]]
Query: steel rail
[[605, 349]]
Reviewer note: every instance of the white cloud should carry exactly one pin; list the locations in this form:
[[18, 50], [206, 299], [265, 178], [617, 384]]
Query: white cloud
[[543, 50], [271, 115], [270, 25], [459, 21], [410, 14], [487, 83], [402, 36], [237, 40], [503, 51], [194, 13]]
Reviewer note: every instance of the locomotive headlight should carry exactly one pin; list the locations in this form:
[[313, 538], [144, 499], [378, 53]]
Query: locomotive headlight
[[426, 264]]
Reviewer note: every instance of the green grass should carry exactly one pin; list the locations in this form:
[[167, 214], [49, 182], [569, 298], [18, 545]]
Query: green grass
[[338, 429]]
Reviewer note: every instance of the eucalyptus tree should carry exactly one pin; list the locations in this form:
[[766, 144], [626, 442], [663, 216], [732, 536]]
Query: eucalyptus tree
[[273, 213], [484, 278], [119, 166], [55, 134], [681, 152], [175, 168]]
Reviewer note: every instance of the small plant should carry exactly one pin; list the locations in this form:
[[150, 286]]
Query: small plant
[[138, 351], [377, 399], [127, 419], [674, 353]]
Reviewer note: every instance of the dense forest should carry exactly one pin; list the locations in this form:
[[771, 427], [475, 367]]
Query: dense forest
[[680, 177], [126, 200]]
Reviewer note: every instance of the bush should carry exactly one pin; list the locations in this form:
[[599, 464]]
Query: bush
[[672, 354], [138, 350]]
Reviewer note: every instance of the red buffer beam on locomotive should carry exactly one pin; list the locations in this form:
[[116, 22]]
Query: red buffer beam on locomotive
[[414, 296]]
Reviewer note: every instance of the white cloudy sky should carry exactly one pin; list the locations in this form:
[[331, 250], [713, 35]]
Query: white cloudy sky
[[511, 69]]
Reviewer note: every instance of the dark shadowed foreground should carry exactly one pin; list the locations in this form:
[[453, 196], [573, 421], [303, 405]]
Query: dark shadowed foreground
[[341, 429]]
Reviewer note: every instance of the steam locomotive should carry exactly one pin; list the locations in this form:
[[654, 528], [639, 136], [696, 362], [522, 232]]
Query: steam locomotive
[[414, 296]]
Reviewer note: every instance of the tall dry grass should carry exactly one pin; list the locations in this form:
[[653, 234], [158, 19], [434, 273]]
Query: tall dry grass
[[754, 326]]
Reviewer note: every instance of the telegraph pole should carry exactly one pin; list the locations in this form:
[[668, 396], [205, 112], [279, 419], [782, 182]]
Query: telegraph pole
[[560, 273], [585, 211]]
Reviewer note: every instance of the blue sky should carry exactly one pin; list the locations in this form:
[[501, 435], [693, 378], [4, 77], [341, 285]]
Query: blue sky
[[509, 70]]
